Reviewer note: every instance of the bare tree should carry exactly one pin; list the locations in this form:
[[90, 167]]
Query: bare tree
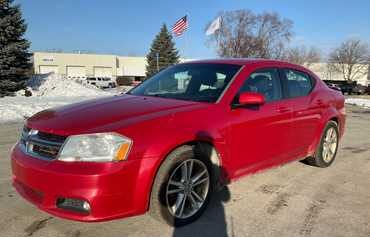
[[351, 59], [303, 56], [272, 35], [245, 34]]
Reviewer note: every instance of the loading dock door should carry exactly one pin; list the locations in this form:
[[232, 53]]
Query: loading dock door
[[76, 72], [46, 69], [103, 72]]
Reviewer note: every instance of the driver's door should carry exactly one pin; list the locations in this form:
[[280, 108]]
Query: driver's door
[[260, 135]]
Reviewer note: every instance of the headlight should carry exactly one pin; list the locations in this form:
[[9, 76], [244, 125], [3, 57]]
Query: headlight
[[97, 147]]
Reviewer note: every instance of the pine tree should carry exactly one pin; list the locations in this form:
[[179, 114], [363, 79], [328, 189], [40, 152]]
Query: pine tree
[[14, 55], [165, 47]]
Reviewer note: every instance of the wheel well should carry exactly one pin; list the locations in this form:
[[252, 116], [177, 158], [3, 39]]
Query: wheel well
[[335, 119], [208, 150]]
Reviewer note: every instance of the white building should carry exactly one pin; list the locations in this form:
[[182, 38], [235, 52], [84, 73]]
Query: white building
[[73, 65], [327, 73]]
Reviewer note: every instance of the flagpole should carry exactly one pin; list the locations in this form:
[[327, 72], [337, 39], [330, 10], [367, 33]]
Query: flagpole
[[179, 29], [157, 60], [187, 36]]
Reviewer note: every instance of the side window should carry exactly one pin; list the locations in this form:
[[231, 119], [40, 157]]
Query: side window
[[266, 82], [298, 83]]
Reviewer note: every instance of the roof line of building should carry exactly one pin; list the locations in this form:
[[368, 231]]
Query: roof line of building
[[82, 53]]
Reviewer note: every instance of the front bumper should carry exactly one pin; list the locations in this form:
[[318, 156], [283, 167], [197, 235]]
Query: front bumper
[[110, 188]]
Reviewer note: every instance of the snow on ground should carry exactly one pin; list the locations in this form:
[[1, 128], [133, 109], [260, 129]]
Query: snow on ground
[[55, 85], [359, 102], [47, 92]]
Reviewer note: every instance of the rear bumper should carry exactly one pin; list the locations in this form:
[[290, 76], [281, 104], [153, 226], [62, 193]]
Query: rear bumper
[[110, 188]]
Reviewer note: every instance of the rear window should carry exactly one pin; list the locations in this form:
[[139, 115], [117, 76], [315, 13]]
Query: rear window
[[298, 83]]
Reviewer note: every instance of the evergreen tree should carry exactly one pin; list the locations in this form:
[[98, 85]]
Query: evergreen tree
[[14, 55], [164, 46]]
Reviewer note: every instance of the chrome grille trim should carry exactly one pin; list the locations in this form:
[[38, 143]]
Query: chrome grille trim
[[40, 145], [37, 140]]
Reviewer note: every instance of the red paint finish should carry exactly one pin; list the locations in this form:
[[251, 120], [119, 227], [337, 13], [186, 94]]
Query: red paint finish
[[251, 98], [247, 140]]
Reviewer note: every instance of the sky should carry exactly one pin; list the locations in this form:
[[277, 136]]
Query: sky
[[127, 27]]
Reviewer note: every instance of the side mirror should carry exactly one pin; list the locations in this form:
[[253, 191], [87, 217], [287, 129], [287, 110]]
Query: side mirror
[[251, 98]]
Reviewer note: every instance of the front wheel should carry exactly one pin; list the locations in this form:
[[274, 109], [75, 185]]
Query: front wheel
[[182, 188], [328, 147]]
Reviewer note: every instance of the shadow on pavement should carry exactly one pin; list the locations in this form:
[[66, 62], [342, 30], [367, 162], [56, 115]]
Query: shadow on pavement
[[212, 222]]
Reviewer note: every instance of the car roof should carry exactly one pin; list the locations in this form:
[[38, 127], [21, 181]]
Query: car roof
[[246, 61], [254, 61]]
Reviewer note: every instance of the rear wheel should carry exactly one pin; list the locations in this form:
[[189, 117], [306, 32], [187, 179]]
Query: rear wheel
[[182, 188], [327, 149]]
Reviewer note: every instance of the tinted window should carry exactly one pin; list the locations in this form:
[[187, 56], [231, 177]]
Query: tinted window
[[298, 83], [266, 82], [197, 82]]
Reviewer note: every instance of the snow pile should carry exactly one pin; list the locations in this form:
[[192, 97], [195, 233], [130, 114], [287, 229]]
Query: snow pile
[[359, 102], [48, 91], [56, 85]]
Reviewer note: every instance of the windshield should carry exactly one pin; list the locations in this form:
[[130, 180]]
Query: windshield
[[203, 82]]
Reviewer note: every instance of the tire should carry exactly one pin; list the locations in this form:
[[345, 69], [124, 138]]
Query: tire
[[321, 157], [161, 201]]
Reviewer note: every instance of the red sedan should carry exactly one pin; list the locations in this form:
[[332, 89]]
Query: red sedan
[[169, 143]]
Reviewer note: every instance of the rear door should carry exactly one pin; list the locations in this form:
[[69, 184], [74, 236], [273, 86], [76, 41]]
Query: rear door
[[307, 108], [261, 135]]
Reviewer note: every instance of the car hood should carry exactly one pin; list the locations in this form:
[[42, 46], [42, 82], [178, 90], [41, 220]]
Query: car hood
[[86, 116]]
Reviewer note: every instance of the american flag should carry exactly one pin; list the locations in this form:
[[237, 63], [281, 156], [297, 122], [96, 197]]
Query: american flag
[[180, 26]]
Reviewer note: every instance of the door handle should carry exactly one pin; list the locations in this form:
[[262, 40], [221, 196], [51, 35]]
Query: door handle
[[284, 109]]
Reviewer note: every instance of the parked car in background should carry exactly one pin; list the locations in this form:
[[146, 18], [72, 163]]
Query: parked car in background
[[359, 89], [135, 83], [332, 86], [91, 80], [367, 90], [346, 87], [101, 82], [171, 142]]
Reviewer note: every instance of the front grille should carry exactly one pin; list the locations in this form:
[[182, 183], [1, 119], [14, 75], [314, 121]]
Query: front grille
[[51, 137], [40, 144]]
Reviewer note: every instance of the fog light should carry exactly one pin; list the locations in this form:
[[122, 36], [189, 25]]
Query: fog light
[[86, 206], [73, 204]]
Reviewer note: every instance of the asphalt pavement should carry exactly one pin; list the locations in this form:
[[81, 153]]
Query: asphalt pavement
[[291, 200]]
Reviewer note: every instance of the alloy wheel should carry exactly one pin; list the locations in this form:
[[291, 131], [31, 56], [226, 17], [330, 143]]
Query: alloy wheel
[[330, 145], [187, 188]]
